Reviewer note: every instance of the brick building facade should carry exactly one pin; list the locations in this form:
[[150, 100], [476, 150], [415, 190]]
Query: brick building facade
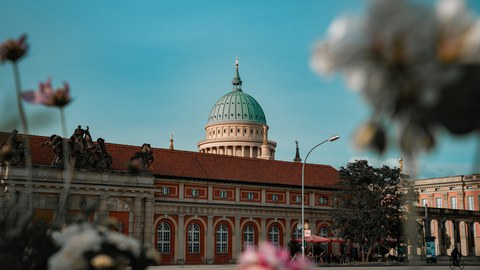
[[460, 192], [195, 208]]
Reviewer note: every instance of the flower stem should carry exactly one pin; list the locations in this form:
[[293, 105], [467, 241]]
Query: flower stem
[[28, 156], [67, 172], [63, 122]]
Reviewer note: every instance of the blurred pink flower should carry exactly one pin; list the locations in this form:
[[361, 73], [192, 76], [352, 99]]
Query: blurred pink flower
[[12, 50], [47, 96], [270, 257]]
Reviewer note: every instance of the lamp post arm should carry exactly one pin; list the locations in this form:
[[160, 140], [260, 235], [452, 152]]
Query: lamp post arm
[[331, 139]]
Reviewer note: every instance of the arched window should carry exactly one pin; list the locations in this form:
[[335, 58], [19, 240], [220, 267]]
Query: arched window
[[194, 238], [222, 239], [274, 235], [297, 232], [163, 237], [249, 235]]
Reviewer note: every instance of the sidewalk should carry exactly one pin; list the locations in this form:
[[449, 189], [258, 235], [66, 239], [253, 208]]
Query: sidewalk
[[470, 261]]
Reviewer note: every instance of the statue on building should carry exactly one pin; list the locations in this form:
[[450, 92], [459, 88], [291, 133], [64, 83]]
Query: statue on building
[[82, 149], [77, 135], [104, 159], [143, 159], [56, 143], [13, 150], [76, 148]]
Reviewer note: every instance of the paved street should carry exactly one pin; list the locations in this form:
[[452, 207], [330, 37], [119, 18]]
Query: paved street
[[232, 267], [329, 267]]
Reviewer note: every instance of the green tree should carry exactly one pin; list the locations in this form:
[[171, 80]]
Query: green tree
[[368, 205]]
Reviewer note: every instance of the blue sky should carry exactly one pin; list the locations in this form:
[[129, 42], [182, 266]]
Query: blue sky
[[140, 70]]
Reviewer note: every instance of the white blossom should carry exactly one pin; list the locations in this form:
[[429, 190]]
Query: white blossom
[[74, 240], [123, 242], [403, 56]]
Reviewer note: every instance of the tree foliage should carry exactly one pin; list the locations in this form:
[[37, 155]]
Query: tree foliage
[[368, 205]]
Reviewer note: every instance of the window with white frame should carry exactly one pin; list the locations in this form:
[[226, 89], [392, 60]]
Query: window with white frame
[[249, 236], [250, 196], [453, 202], [165, 191], [222, 239], [424, 202], [194, 238], [438, 202], [275, 197], [223, 194], [163, 237], [470, 205], [194, 192], [298, 199], [273, 235]]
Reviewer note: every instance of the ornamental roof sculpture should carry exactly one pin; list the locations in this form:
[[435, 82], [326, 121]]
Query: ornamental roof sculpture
[[86, 153], [142, 160], [12, 150], [194, 165]]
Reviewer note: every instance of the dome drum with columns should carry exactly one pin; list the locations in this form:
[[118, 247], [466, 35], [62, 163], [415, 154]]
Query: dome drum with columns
[[237, 126]]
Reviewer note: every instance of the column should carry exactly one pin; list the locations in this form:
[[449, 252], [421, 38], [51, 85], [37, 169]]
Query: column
[[148, 221], [264, 195], [430, 200], [251, 151], [237, 239], [263, 229], [311, 199], [181, 191], [427, 225], [470, 238], [441, 237], [288, 233], [181, 240], [210, 243], [103, 208], [209, 193], [137, 218], [420, 244], [461, 198], [456, 235], [313, 225], [243, 151]]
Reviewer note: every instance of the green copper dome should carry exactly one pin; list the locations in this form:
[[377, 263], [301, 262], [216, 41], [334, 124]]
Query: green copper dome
[[237, 106]]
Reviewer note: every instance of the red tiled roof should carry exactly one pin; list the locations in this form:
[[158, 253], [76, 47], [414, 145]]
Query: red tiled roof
[[195, 165]]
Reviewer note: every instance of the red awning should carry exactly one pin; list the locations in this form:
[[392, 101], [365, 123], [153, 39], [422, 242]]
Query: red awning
[[320, 239], [337, 240], [315, 239]]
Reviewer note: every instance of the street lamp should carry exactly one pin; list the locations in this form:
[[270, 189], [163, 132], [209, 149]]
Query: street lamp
[[331, 139]]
